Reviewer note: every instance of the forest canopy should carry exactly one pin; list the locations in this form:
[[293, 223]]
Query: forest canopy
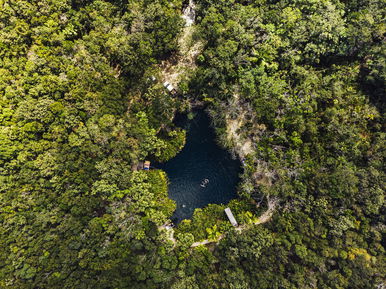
[[82, 104]]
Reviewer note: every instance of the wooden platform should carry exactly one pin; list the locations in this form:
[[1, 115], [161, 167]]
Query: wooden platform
[[231, 217]]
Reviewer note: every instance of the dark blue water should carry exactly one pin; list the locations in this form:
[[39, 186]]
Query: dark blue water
[[200, 159]]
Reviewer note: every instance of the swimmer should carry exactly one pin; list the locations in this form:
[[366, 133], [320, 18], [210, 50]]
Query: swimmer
[[204, 183]]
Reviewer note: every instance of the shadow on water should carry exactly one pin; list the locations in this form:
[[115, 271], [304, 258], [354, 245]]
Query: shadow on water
[[202, 173]]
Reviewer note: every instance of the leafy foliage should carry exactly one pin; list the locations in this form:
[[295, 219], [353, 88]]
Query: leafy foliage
[[79, 111]]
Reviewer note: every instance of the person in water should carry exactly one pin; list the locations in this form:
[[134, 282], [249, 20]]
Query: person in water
[[204, 183]]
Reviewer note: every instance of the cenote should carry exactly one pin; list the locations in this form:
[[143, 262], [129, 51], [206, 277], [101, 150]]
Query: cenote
[[202, 173]]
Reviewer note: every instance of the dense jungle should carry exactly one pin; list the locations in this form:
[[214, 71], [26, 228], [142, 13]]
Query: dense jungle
[[295, 90]]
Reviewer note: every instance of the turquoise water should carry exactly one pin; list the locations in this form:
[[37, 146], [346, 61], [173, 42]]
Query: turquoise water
[[202, 173]]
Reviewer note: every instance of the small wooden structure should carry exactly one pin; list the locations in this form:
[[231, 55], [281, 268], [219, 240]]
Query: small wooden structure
[[231, 217], [169, 87], [146, 165]]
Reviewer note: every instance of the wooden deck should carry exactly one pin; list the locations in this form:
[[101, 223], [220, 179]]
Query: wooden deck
[[231, 217]]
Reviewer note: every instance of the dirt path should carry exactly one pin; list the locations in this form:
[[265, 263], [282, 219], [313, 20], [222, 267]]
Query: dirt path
[[267, 215], [179, 66], [264, 218], [205, 242]]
